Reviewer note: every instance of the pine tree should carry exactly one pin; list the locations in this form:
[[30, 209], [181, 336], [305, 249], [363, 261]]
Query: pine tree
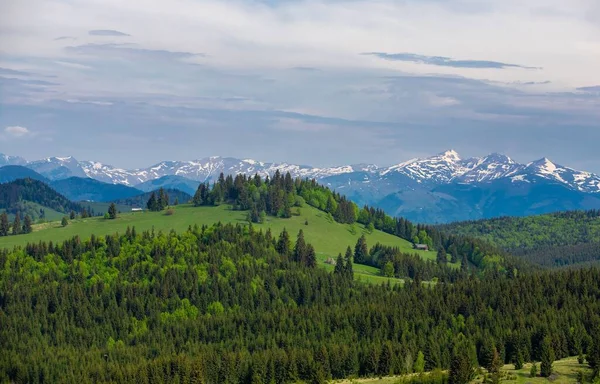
[[348, 268], [311, 256], [340, 268], [533, 370], [72, 215], [16, 225], [27, 224], [361, 251], [4, 225], [419, 365], [112, 211], [464, 264], [300, 249], [163, 200], [64, 222], [283, 243], [152, 204], [547, 358], [385, 359], [441, 256], [461, 365], [518, 358], [593, 355]]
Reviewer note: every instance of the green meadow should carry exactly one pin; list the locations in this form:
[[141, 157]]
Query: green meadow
[[327, 236]]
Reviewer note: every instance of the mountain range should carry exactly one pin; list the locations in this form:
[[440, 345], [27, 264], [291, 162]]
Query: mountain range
[[439, 188]]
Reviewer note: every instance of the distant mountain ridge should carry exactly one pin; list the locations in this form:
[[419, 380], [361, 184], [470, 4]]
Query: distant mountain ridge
[[422, 189]]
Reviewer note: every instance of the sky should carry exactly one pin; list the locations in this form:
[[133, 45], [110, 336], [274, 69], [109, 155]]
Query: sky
[[313, 82]]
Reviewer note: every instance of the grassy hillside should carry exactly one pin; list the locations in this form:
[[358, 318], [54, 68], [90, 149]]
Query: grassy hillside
[[328, 237]]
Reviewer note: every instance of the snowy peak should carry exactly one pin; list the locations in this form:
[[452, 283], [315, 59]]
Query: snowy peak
[[572, 178], [11, 160], [450, 156], [56, 168], [488, 168], [443, 168]]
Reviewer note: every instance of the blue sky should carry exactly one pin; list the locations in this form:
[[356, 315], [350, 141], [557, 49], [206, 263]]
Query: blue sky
[[312, 82]]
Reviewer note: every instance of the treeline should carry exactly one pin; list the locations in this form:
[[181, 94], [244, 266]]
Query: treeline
[[230, 304], [562, 256], [281, 195], [556, 239], [174, 197]]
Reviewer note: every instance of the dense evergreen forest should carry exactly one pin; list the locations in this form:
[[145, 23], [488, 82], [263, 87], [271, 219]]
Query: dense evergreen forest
[[281, 195], [229, 304], [557, 239]]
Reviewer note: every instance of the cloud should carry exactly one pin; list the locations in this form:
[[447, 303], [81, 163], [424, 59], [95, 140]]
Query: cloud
[[106, 32], [594, 88], [17, 131], [69, 64], [65, 38], [444, 61], [130, 51], [12, 72]]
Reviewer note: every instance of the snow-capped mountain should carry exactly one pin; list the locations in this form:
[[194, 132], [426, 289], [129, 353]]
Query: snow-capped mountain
[[206, 169], [577, 180], [446, 167], [56, 168], [439, 188], [11, 160]]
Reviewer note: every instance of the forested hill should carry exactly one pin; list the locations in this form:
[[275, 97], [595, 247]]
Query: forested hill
[[555, 239], [230, 304], [281, 194], [13, 195]]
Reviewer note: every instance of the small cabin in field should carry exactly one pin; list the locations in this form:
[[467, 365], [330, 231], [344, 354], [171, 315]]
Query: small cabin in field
[[137, 210], [421, 247]]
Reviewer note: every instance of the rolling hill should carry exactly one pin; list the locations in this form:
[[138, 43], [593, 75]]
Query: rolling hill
[[15, 196], [557, 239], [328, 237]]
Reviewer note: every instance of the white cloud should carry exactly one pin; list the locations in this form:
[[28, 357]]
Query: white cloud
[[17, 131]]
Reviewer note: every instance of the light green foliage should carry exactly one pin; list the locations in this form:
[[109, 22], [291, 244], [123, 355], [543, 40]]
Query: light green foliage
[[185, 311], [388, 269], [215, 308]]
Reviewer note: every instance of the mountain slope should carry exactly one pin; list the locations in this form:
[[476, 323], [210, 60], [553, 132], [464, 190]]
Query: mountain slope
[[86, 189], [10, 173], [502, 197], [55, 168], [170, 182], [11, 160]]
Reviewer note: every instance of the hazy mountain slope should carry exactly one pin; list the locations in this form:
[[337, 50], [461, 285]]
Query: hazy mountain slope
[[170, 182], [10, 173], [86, 189]]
